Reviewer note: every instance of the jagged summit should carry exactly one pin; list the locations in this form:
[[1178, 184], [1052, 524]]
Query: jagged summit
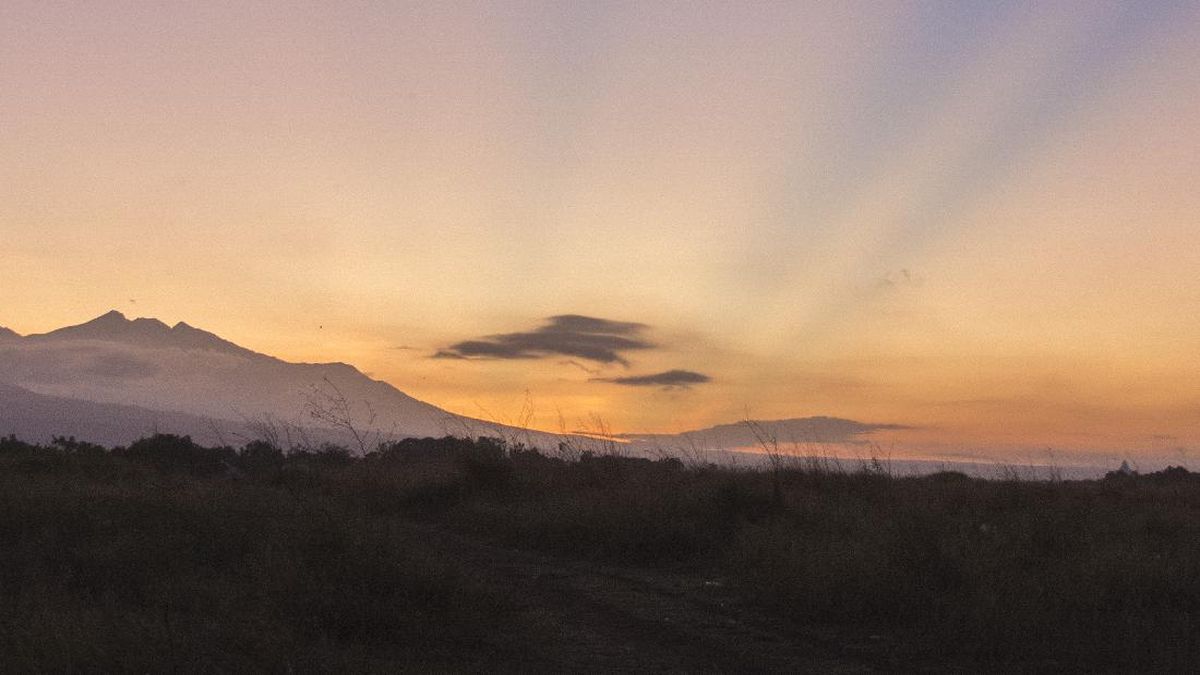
[[192, 337], [113, 326], [111, 316], [112, 323]]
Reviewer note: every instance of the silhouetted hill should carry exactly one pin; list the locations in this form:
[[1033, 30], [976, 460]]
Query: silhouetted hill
[[38, 418], [786, 432]]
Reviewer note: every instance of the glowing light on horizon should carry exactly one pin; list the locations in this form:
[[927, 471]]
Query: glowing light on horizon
[[977, 218]]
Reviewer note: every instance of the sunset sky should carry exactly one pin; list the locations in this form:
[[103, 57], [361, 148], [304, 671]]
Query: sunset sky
[[981, 219]]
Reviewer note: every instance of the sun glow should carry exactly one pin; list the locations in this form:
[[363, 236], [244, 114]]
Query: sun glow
[[975, 220]]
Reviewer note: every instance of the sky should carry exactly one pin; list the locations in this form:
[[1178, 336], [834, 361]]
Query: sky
[[977, 219]]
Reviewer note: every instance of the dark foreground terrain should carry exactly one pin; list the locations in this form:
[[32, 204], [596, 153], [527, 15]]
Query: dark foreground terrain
[[454, 555]]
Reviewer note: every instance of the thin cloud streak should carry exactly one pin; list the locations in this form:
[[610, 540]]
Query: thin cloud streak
[[669, 378]]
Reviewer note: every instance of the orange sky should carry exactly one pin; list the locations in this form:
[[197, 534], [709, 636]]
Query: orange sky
[[978, 220]]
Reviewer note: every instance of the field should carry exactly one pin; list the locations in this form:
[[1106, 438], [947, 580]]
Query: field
[[456, 555]]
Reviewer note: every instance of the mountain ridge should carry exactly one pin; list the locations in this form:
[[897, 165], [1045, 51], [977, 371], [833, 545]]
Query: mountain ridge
[[182, 370], [753, 433], [147, 365], [39, 418], [150, 332]]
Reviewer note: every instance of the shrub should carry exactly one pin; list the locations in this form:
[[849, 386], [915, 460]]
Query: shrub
[[178, 454]]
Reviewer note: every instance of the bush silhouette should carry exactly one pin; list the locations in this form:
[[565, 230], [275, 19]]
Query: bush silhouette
[[178, 454], [151, 558]]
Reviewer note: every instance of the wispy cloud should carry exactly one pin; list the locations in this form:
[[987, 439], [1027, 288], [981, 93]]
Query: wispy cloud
[[583, 337], [573, 362], [121, 367], [669, 378]]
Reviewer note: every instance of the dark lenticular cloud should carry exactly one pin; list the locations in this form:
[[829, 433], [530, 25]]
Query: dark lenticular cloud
[[574, 323], [670, 378], [582, 337]]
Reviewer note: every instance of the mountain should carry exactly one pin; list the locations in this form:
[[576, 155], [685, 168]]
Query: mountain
[[114, 327], [144, 364], [115, 379], [38, 418], [753, 433]]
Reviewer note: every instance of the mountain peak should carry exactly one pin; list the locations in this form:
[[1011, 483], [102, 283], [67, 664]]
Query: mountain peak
[[113, 326], [6, 333], [109, 318], [189, 337]]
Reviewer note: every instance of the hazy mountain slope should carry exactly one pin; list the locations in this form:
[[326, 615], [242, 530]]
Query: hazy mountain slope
[[177, 378], [39, 418], [789, 432], [146, 364]]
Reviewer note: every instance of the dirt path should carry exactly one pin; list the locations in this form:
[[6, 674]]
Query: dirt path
[[593, 618]]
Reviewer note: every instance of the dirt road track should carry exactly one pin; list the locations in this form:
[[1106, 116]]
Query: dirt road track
[[593, 618]]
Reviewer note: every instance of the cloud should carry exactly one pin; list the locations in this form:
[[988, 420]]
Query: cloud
[[583, 337], [573, 362], [669, 378], [447, 354], [120, 367]]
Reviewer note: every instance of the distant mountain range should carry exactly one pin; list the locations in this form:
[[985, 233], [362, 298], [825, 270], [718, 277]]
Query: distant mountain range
[[113, 380], [786, 433]]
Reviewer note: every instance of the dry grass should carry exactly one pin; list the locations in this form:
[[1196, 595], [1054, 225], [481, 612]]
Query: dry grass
[[165, 555]]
